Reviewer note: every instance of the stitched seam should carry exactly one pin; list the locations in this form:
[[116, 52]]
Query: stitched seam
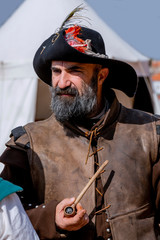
[[130, 212], [155, 140]]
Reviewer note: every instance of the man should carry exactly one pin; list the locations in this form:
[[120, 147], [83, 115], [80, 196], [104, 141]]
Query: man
[[14, 223], [54, 159]]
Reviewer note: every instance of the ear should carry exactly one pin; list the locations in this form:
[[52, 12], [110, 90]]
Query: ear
[[103, 73]]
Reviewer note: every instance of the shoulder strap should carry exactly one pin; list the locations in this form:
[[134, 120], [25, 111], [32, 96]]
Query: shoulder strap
[[19, 138], [17, 132]]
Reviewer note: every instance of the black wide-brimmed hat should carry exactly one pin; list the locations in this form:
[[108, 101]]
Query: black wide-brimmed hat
[[85, 46]]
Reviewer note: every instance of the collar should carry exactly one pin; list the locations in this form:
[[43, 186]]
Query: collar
[[102, 113]]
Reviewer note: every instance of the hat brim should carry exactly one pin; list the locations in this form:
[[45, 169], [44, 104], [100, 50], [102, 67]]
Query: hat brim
[[121, 75]]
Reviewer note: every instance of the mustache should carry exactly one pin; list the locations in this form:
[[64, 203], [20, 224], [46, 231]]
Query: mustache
[[67, 90]]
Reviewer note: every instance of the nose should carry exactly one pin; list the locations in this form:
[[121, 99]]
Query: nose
[[64, 80]]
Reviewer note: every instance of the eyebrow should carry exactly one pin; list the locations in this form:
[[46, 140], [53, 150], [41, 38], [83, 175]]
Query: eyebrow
[[75, 67], [54, 68]]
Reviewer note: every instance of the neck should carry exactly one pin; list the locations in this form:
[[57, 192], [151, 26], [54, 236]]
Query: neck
[[102, 112], [89, 122], [101, 105]]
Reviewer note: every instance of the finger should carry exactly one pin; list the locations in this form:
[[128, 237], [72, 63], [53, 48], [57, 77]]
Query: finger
[[75, 222], [65, 202], [79, 216], [86, 218], [79, 222], [79, 207], [80, 211]]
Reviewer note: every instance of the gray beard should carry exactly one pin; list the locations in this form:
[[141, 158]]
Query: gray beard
[[76, 107]]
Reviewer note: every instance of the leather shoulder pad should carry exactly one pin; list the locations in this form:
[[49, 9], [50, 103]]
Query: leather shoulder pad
[[19, 138], [17, 132], [157, 116]]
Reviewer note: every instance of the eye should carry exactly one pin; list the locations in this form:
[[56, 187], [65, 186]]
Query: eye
[[75, 71]]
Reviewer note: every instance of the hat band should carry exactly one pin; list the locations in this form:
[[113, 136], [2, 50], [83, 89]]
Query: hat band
[[84, 46]]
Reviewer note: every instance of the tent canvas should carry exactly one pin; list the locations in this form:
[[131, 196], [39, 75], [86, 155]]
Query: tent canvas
[[35, 20], [20, 37]]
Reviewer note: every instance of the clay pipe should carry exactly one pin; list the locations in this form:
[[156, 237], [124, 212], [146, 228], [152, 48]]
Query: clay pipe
[[69, 211]]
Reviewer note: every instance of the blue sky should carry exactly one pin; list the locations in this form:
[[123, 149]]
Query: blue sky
[[7, 7], [136, 21]]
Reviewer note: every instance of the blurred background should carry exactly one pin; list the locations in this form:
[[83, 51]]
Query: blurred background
[[131, 33]]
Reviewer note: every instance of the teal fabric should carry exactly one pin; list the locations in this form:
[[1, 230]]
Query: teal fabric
[[6, 188]]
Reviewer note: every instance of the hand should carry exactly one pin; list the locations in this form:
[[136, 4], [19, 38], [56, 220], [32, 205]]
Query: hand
[[70, 223]]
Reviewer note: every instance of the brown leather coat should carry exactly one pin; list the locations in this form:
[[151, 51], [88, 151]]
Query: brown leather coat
[[129, 139]]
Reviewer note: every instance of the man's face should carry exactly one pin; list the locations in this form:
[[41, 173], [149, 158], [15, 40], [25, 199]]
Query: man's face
[[74, 92]]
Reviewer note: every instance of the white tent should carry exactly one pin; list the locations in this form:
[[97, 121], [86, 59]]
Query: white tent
[[21, 35]]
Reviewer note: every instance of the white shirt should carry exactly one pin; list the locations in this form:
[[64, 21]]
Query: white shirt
[[14, 222]]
